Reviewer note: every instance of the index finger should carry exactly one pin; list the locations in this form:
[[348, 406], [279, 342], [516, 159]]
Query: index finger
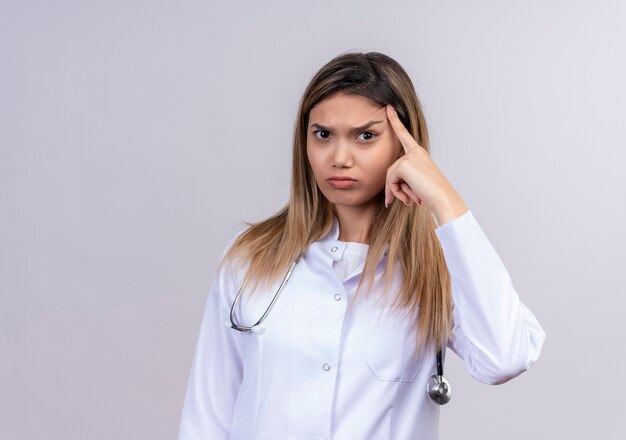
[[405, 138]]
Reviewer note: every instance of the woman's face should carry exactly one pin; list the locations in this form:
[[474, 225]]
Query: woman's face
[[350, 136]]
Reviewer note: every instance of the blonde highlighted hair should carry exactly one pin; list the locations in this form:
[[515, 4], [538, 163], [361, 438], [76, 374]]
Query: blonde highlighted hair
[[271, 245]]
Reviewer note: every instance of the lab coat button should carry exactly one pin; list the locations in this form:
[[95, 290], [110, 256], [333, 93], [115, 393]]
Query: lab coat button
[[326, 367], [334, 249], [337, 297]]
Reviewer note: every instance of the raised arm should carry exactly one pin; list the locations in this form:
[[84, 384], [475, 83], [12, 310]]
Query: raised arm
[[494, 333]]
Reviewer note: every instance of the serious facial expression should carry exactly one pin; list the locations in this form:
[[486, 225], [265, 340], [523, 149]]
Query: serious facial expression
[[349, 136]]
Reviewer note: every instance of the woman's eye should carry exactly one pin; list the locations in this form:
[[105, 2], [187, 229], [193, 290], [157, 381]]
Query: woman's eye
[[323, 134], [368, 135]]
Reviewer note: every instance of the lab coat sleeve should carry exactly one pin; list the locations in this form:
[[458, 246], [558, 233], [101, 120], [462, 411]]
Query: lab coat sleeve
[[494, 333], [216, 371]]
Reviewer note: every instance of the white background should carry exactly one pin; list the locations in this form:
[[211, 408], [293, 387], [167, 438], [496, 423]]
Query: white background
[[137, 136]]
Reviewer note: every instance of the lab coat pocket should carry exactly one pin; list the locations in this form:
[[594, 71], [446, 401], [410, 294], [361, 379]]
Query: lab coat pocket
[[390, 351]]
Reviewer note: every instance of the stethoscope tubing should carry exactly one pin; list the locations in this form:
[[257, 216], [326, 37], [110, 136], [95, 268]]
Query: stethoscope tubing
[[437, 387], [243, 328]]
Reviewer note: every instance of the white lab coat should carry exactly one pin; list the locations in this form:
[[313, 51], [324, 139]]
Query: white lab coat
[[320, 371]]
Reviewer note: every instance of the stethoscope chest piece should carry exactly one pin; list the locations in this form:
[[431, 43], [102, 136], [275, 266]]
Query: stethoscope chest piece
[[439, 389]]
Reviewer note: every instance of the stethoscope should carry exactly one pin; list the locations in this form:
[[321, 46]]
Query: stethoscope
[[437, 387]]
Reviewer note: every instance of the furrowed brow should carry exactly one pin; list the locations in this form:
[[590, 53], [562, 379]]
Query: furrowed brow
[[366, 126], [355, 129]]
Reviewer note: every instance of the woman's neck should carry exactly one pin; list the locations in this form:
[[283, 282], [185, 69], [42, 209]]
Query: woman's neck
[[354, 222]]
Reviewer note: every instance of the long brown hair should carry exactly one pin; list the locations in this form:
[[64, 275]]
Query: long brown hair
[[270, 246]]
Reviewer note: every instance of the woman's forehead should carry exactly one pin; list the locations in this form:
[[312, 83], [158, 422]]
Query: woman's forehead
[[343, 109]]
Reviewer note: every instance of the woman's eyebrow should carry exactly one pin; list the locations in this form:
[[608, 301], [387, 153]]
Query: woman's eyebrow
[[362, 127]]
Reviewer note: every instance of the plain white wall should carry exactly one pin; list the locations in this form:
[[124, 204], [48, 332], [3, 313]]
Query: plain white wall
[[136, 136]]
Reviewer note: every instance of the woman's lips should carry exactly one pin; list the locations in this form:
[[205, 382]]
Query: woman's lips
[[341, 182]]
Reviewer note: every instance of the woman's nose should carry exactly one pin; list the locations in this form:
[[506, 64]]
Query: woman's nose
[[342, 156]]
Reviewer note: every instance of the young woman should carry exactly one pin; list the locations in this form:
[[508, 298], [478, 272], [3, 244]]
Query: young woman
[[378, 265]]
